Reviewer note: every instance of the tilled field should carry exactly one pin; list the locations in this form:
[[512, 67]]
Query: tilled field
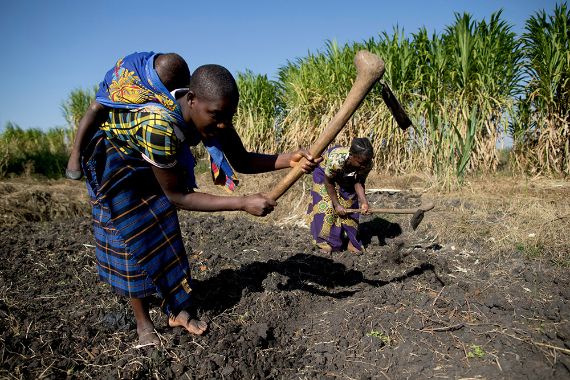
[[410, 307]]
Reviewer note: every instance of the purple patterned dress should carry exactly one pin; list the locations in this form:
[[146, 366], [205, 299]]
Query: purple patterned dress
[[327, 227]]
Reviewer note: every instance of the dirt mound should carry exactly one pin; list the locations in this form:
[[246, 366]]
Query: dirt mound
[[411, 307], [30, 200]]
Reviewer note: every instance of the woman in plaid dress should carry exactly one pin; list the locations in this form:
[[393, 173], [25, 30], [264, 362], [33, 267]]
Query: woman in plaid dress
[[139, 170]]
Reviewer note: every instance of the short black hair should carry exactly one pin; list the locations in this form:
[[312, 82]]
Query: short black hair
[[214, 82], [172, 70], [361, 146]]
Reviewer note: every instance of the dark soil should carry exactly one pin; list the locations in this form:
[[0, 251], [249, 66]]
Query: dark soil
[[410, 307]]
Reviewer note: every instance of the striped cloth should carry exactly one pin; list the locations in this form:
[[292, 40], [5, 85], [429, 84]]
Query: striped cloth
[[139, 247]]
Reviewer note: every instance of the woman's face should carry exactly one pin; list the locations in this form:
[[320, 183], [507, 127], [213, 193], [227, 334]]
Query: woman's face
[[357, 162], [208, 116]]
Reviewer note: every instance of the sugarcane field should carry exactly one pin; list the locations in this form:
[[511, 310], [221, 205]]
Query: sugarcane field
[[396, 207]]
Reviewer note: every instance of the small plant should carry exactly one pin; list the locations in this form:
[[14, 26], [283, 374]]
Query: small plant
[[380, 335], [476, 352], [202, 166], [243, 318], [531, 251]]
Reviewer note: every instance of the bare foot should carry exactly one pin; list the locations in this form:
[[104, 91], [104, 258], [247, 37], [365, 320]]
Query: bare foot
[[193, 326], [353, 249], [147, 337], [325, 248]]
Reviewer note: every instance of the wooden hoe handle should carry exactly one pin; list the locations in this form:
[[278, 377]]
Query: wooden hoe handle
[[422, 208], [369, 69]]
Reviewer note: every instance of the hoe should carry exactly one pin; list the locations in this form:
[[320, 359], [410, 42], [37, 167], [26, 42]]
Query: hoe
[[417, 217], [370, 69]]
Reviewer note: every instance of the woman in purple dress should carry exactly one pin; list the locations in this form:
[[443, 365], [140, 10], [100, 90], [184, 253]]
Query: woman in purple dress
[[338, 185]]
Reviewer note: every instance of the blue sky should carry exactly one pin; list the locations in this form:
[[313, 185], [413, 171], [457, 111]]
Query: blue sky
[[50, 48]]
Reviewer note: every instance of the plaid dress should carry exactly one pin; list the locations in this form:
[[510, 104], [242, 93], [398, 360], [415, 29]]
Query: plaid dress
[[139, 248]]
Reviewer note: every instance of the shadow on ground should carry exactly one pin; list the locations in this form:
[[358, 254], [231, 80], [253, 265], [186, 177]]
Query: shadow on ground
[[310, 273]]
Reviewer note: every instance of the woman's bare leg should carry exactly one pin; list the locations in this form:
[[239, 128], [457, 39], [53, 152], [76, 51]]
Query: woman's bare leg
[[145, 327]]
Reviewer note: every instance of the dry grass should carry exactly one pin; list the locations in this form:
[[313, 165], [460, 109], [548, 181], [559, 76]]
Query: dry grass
[[504, 214], [494, 215], [38, 200], [291, 206]]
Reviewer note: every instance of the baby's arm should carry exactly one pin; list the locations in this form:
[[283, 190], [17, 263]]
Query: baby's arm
[[95, 115]]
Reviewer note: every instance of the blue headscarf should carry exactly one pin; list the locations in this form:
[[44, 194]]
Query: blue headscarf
[[134, 84]]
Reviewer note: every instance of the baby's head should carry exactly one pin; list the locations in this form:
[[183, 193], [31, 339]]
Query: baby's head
[[172, 70]]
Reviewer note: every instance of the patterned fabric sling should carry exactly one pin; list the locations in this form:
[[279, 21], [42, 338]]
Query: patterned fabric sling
[[133, 84]]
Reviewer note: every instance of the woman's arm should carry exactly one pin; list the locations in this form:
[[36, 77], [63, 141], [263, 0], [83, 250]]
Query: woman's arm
[[170, 183], [253, 162], [331, 191], [360, 193]]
